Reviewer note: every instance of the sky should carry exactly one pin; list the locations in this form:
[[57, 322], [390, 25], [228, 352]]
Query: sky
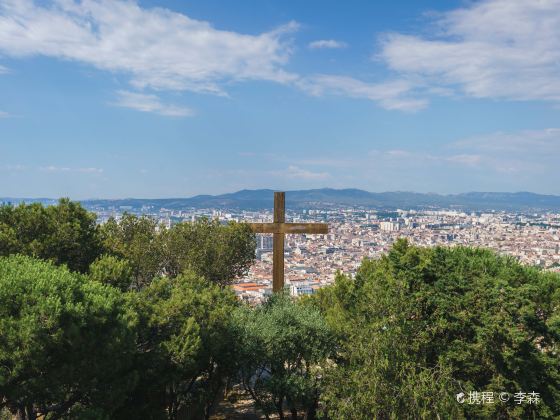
[[115, 99]]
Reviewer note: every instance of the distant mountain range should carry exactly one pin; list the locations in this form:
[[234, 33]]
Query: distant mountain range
[[328, 198]]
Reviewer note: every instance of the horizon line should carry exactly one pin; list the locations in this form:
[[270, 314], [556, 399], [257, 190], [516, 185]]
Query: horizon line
[[274, 190]]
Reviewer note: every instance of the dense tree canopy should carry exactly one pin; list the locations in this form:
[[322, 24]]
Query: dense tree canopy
[[66, 343], [64, 234], [185, 346], [136, 240], [113, 271], [219, 253], [422, 324], [163, 286], [67, 234], [282, 345]]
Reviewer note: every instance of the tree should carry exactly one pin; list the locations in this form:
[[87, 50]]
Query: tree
[[65, 342], [422, 324], [185, 347], [282, 348], [219, 253], [376, 373], [64, 234], [113, 271], [135, 239]]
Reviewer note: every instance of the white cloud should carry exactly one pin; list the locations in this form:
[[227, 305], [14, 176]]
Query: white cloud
[[489, 49], [4, 70], [55, 169], [159, 49], [333, 162], [492, 49], [531, 151], [527, 152], [13, 168], [4, 115], [90, 170], [52, 168], [545, 143], [465, 159], [525, 160], [327, 44], [300, 173], [295, 172], [150, 103], [156, 47], [391, 95]]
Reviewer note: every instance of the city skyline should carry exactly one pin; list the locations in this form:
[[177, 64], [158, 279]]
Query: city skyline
[[158, 99], [312, 261]]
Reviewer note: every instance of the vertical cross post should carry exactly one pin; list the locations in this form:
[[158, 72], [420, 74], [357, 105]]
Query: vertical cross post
[[279, 228], [278, 243]]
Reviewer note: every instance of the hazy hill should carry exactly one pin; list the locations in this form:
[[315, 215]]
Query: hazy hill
[[328, 197]]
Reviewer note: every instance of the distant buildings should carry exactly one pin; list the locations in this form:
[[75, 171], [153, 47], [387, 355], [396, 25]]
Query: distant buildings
[[311, 261]]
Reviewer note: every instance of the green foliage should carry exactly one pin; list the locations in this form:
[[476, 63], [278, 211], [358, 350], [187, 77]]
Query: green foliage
[[185, 346], [113, 271], [420, 325], [64, 234], [136, 240], [65, 342], [377, 376], [282, 345], [219, 253]]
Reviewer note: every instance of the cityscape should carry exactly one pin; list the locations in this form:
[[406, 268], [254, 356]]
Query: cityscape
[[312, 261]]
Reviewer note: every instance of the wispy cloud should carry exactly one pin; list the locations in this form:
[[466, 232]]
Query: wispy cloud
[[527, 151], [150, 103], [160, 49], [4, 114], [4, 70], [90, 170], [492, 49], [533, 151], [297, 173], [392, 95], [489, 49], [156, 47], [500, 161], [331, 162], [55, 169], [304, 174], [13, 168], [327, 44], [545, 143], [406, 158]]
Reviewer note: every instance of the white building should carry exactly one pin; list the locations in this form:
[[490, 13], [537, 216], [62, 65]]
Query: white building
[[301, 289], [389, 226]]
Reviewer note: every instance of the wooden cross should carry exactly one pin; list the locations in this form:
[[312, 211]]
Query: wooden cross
[[279, 228]]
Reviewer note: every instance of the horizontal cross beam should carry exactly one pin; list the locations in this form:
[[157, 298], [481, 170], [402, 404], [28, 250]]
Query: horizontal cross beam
[[310, 228]]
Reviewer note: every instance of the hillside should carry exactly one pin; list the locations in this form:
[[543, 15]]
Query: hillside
[[328, 197]]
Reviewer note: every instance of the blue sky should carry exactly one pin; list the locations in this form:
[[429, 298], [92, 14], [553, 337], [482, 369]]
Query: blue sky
[[110, 98]]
